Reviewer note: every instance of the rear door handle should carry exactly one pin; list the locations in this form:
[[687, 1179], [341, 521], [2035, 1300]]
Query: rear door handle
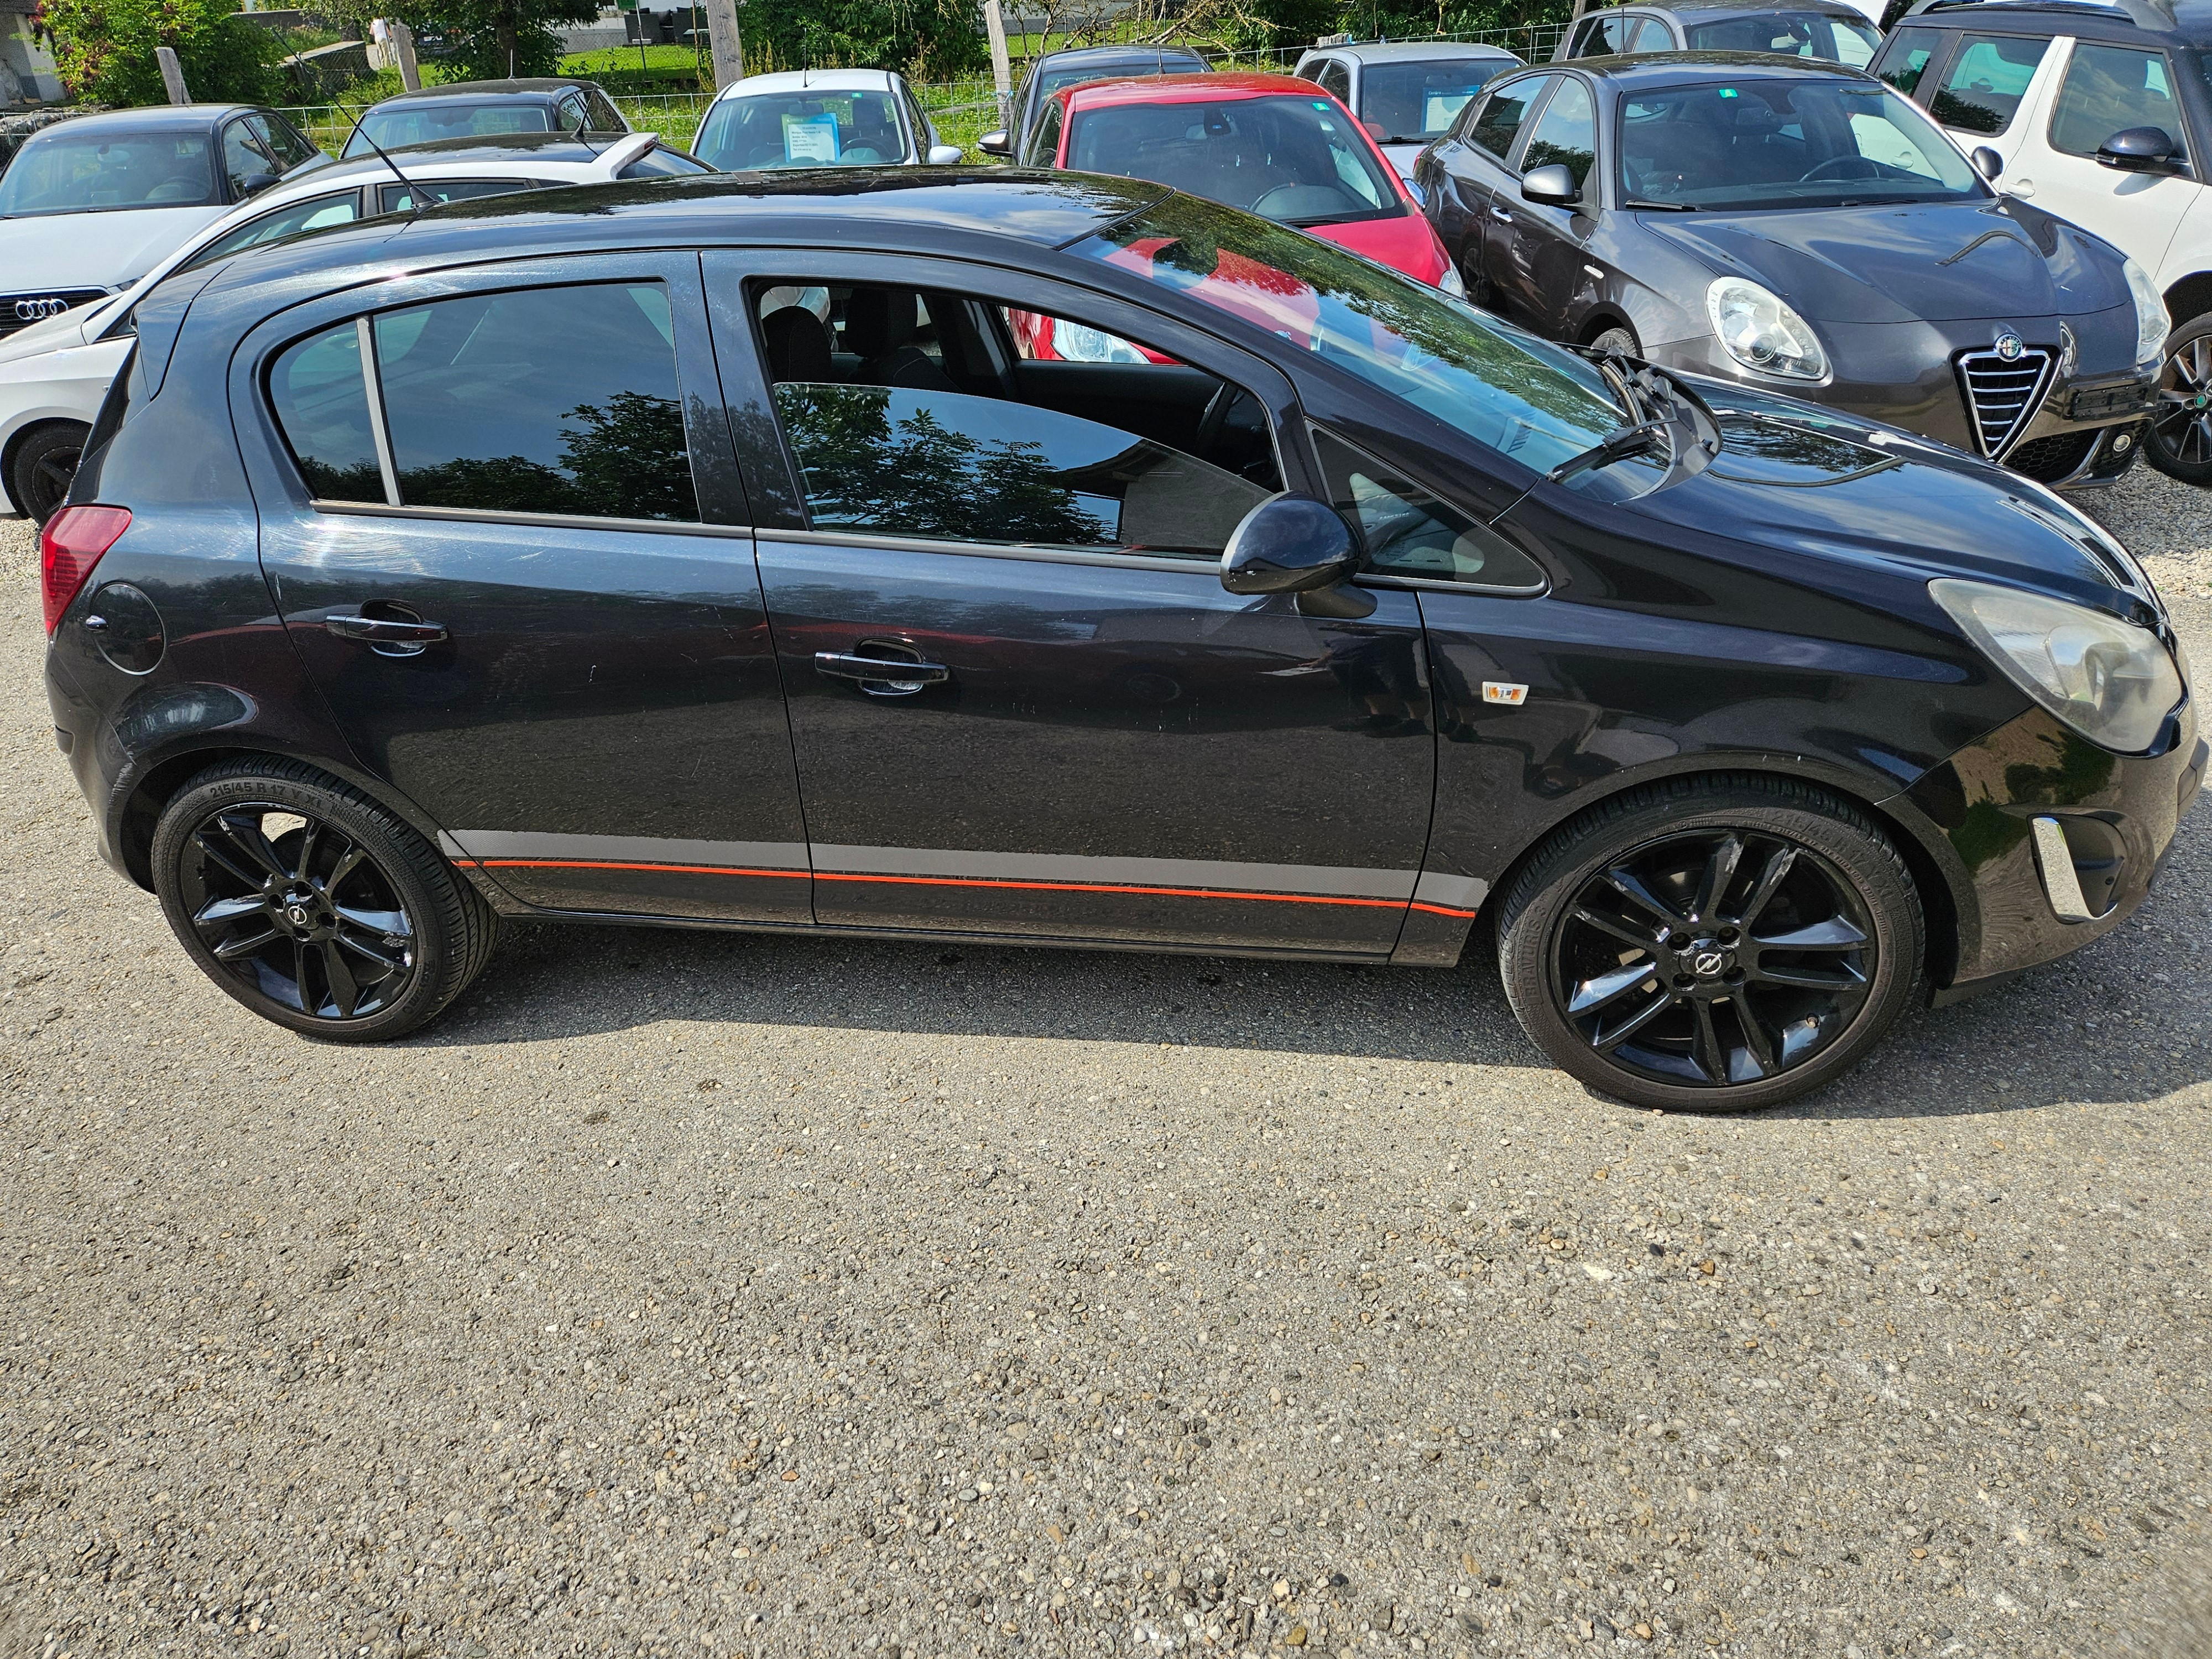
[[881, 674], [391, 636]]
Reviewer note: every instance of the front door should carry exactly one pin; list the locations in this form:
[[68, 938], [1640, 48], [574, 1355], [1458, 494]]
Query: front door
[[512, 556], [1539, 268], [2103, 89], [1022, 702]]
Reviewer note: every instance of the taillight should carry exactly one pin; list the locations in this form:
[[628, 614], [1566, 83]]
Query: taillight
[[74, 538]]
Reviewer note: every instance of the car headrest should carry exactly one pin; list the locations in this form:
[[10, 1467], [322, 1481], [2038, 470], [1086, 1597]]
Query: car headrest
[[798, 346], [879, 320]]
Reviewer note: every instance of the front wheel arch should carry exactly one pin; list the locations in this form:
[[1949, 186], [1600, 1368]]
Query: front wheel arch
[[14, 449]]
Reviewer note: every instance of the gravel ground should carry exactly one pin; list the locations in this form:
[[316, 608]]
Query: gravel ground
[[702, 1294]]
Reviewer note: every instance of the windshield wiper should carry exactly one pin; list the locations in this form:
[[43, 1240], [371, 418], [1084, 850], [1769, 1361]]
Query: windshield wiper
[[1621, 444], [1661, 207]]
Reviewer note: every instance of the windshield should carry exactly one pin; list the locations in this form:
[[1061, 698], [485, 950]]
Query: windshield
[[423, 124], [1507, 390], [1294, 159], [1412, 103], [1792, 35], [88, 172], [802, 130], [1785, 143]]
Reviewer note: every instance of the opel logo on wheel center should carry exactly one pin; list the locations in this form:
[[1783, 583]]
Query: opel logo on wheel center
[[2009, 347], [296, 914], [1708, 963], [30, 311]]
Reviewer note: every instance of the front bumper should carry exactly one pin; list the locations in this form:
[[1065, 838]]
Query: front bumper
[[2057, 841], [2084, 428]]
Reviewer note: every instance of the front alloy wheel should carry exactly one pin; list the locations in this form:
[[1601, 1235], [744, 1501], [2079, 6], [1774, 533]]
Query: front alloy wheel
[[1715, 943], [2179, 442]]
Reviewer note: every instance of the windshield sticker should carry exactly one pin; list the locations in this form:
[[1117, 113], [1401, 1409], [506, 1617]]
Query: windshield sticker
[[810, 138]]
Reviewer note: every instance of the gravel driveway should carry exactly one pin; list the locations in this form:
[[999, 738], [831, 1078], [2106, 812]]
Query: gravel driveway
[[715, 1295]]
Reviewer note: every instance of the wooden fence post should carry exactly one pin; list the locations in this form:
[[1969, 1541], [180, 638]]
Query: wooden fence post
[[173, 75], [727, 42]]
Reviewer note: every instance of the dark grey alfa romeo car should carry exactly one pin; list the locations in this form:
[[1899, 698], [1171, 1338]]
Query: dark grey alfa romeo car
[[788, 594], [1801, 227]]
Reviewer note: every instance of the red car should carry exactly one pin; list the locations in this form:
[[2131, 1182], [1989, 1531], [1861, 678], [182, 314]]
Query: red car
[[1271, 144]]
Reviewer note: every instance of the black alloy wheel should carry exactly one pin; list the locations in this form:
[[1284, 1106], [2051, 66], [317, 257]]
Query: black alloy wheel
[[1619, 340], [44, 467], [1713, 944], [312, 906], [2179, 440]]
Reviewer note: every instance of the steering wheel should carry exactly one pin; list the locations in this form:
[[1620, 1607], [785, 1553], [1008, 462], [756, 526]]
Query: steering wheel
[[1861, 168], [1210, 422]]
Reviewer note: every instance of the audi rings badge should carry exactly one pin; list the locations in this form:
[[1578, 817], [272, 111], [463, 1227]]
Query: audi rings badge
[[32, 311]]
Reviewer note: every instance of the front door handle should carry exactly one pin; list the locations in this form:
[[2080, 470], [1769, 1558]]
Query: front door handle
[[401, 635], [1500, 214], [882, 674]]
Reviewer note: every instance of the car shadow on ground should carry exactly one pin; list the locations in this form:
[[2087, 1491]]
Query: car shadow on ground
[[2128, 1019]]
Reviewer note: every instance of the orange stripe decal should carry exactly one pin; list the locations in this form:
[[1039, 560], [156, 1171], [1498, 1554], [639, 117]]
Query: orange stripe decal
[[1445, 911]]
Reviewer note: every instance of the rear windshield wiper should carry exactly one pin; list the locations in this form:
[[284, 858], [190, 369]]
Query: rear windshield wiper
[[1661, 207]]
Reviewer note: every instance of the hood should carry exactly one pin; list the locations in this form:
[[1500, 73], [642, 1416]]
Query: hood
[[1402, 158], [94, 250], [1928, 262], [1796, 476], [1405, 243]]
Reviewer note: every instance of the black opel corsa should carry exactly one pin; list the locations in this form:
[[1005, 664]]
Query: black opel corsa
[[708, 552]]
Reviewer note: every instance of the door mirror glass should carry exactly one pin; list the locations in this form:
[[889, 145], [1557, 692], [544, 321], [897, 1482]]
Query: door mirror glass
[[1552, 185], [2136, 149], [995, 143], [945, 155], [1987, 161], [1289, 544]]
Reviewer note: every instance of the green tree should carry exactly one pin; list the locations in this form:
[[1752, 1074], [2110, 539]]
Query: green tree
[[104, 50], [487, 39], [930, 40]]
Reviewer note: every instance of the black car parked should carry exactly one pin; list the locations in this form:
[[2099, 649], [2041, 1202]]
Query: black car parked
[[1815, 28], [1058, 70], [1803, 228], [479, 109], [788, 595]]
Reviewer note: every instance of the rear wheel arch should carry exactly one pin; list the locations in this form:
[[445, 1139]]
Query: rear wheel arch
[[1938, 894]]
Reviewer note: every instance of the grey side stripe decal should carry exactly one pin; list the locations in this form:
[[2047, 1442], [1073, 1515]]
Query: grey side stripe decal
[[1456, 892], [512, 848], [1228, 875]]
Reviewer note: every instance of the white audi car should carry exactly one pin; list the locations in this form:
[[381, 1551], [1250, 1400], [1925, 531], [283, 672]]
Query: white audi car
[[54, 372]]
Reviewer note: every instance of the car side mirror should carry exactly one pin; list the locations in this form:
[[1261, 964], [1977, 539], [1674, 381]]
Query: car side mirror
[[1551, 185], [996, 143], [2137, 150], [254, 183], [1295, 545], [1987, 162], [944, 155]]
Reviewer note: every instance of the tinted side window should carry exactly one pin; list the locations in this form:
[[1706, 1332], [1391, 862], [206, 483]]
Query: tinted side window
[[1567, 135], [1904, 59], [568, 114], [322, 409], [400, 198], [1498, 122], [1650, 35], [286, 220], [1336, 81], [243, 156], [540, 400], [604, 117], [2109, 89], [281, 139], [1409, 531], [1610, 35], [1983, 89]]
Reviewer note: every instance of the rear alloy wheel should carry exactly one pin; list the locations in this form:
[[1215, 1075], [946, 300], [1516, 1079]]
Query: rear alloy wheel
[[312, 906], [2179, 442], [43, 468], [1714, 944]]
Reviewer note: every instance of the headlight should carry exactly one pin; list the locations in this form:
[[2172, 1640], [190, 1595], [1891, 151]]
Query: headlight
[[1762, 333], [1451, 282], [2111, 681], [2152, 324], [1075, 343]]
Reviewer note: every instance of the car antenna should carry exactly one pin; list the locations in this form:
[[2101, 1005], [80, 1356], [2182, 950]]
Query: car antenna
[[413, 195]]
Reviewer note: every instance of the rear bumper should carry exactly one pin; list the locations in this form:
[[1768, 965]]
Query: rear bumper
[[2059, 841]]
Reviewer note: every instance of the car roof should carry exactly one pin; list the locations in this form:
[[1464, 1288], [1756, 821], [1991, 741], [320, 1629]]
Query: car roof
[[829, 80], [154, 117], [1015, 210], [477, 92], [1649, 69], [496, 147], [1393, 52], [2187, 21], [1114, 56], [1185, 89]]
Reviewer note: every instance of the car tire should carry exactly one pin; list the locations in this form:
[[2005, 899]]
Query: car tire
[[1618, 339], [1789, 1002], [2179, 441], [312, 905], [43, 467]]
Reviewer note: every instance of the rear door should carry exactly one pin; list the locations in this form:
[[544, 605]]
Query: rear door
[[500, 515], [1023, 703]]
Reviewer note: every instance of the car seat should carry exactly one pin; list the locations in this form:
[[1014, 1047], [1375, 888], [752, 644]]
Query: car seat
[[798, 347], [879, 328]]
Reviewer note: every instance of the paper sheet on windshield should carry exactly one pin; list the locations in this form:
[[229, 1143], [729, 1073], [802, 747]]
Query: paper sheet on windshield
[[810, 138]]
